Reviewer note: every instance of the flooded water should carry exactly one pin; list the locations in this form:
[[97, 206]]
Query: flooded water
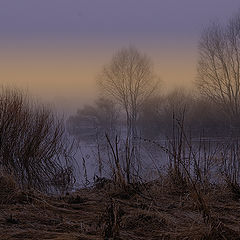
[[154, 158]]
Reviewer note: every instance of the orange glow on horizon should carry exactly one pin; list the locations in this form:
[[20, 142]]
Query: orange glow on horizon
[[70, 74]]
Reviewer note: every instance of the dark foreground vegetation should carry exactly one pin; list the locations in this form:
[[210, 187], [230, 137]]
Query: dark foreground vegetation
[[33, 145], [155, 210]]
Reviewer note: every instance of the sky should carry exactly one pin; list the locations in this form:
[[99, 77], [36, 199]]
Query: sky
[[56, 48]]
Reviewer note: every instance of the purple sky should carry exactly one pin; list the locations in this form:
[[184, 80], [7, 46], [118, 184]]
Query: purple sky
[[109, 19], [45, 43]]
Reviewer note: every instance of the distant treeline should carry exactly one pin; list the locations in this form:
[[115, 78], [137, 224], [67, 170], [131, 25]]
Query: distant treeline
[[201, 117]]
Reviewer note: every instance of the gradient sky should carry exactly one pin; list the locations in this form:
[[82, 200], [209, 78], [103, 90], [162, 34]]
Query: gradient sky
[[56, 48]]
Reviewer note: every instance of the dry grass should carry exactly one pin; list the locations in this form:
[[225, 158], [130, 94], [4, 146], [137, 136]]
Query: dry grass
[[157, 212], [8, 188]]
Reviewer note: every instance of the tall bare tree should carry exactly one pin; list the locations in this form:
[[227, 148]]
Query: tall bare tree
[[129, 79], [219, 67]]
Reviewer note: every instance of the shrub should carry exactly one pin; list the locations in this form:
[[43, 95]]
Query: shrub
[[33, 145]]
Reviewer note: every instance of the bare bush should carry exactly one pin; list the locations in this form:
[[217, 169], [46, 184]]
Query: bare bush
[[33, 146]]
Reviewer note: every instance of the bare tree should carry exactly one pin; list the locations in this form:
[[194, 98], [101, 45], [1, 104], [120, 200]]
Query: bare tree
[[219, 67], [129, 80]]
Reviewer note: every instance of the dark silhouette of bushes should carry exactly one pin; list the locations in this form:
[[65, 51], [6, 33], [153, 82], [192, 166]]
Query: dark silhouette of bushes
[[201, 116], [33, 145], [94, 120]]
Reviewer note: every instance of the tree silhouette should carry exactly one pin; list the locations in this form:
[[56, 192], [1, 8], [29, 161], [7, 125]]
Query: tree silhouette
[[129, 80], [219, 67]]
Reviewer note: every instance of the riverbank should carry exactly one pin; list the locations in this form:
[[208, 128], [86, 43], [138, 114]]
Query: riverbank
[[156, 210]]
